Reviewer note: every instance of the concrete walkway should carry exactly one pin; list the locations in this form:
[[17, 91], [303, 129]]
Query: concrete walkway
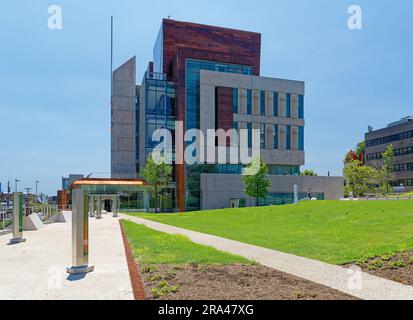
[[355, 283], [36, 269]]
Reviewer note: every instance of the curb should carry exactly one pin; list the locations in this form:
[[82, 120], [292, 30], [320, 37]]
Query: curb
[[135, 277]]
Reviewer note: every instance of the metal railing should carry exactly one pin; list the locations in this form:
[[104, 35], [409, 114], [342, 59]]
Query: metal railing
[[6, 220], [389, 197]]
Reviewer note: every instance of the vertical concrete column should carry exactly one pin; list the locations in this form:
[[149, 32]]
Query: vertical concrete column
[[256, 102], [269, 104], [294, 106], [80, 234], [242, 101], [294, 138], [91, 207], [98, 207], [17, 218], [115, 207], [282, 104], [295, 194]]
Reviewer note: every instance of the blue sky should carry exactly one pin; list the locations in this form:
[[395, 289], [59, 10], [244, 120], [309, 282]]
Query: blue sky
[[55, 85]]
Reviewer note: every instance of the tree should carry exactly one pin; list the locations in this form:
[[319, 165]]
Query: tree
[[387, 169], [158, 177], [256, 180], [361, 151], [359, 179], [351, 156], [309, 173]]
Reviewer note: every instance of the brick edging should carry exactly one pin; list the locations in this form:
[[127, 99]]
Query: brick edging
[[135, 277]]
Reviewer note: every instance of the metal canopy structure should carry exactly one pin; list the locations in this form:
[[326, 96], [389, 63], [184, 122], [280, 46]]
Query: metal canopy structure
[[108, 186]]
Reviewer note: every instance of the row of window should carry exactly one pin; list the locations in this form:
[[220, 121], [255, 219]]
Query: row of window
[[389, 139], [263, 136], [276, 170], [403, 167], [404, 182], [397, 152], [275, 104]]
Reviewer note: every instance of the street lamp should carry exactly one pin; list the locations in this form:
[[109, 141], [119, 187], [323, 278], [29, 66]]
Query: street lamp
[[37, 182], [15, 184]]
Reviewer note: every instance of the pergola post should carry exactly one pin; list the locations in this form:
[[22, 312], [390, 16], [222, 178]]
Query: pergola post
[[17, 218], [99, 208], [91, 207], [80, 234], [115, 206]]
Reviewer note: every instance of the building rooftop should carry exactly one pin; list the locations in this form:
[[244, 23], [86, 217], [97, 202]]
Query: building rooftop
[[402, 121]]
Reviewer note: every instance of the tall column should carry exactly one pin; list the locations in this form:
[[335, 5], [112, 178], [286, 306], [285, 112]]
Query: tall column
[[80, 234], [99, 208], [17, 218], [115, 206], [91, 207]]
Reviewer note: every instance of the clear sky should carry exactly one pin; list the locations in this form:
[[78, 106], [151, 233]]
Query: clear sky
[[55, 85]]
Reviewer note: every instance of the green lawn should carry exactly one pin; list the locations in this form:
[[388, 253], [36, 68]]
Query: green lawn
[[153, 247], [332, 231]]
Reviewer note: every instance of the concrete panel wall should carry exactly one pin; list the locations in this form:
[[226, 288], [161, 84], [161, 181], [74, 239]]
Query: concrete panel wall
[[217, 190], [210, 80], [123, 132]]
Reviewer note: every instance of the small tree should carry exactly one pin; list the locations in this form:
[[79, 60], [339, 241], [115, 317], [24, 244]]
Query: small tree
[[256, 180], [359, 179], [158, 177], [387, 170], [361, 151], [309, 173]]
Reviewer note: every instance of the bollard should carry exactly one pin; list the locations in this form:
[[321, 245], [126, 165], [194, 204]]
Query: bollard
[[295, 194], [80, 234], [17, 218]]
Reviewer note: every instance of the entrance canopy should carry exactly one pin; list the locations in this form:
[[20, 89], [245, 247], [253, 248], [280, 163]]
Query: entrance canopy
[[108, 186]]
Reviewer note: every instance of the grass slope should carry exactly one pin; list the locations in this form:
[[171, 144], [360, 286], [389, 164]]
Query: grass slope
[[332, 231], [153, 247]]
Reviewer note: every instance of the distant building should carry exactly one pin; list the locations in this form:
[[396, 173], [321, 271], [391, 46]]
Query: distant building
[[400, 135], [66, 182]]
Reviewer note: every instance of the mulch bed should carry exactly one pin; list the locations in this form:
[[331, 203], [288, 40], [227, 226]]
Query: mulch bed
[[234, 282], [398, 267]]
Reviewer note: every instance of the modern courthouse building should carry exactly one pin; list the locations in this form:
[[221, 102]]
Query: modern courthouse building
[[208, 77], [400, 135]]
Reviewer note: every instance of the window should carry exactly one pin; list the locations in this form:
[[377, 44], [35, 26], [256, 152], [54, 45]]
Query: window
[[249, 128], [249, 102], [288, 106], [389, 139], [235, 100], [276, 136], [262, 105], [262, 136], [301, 107], [301, 138], [275, 104], [288, 138]]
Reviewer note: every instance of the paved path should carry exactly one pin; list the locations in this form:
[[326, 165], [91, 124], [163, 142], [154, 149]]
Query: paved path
[[36, 269], [336, 277]]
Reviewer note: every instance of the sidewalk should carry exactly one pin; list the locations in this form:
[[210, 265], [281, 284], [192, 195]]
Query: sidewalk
[[336, 277], [36, 269]]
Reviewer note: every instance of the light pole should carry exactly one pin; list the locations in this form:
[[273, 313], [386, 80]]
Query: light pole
[[37, 182], [15, 184]]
